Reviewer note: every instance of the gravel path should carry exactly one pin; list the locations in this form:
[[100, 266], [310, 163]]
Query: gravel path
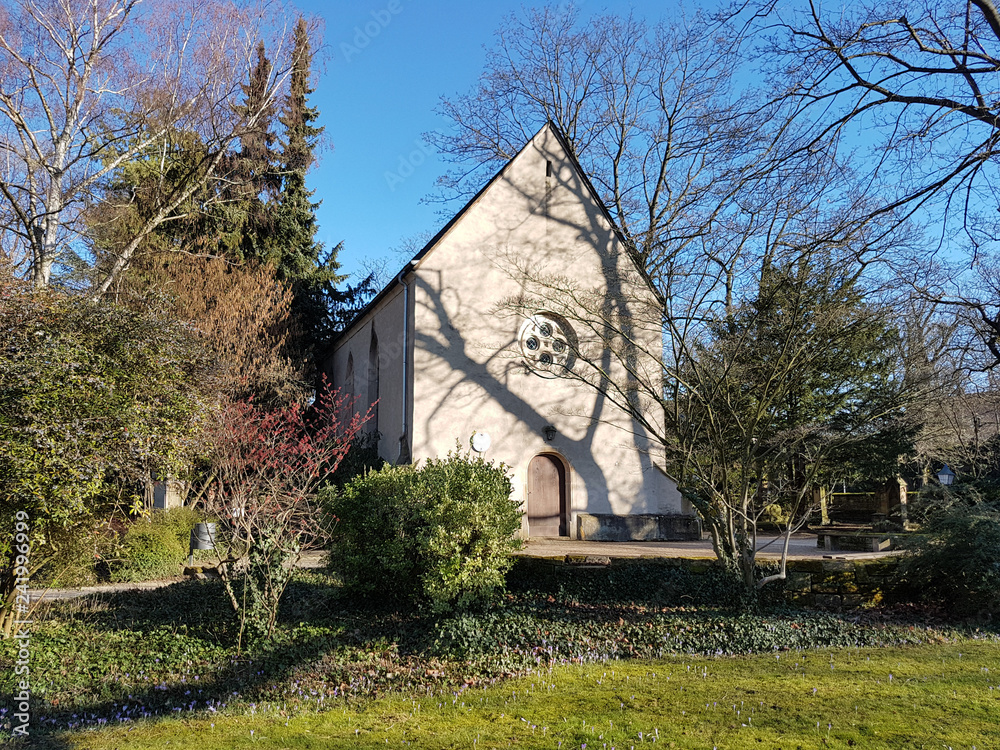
[[308, 560], [802, 546]]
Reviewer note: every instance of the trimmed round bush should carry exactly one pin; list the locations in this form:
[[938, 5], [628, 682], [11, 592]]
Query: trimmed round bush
[[439, 535]]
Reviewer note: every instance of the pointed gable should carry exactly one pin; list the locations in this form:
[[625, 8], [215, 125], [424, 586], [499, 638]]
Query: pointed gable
[[548, 144], [548, 149]]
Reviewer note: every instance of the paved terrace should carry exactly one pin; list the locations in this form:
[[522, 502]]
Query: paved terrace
[[801, 547]]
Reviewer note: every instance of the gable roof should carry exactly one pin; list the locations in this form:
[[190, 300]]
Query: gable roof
[[412, 264]]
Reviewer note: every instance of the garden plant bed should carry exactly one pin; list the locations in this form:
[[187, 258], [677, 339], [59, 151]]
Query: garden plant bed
[[123, 657]]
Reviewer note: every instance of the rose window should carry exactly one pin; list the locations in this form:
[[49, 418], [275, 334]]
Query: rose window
[[546, 343]]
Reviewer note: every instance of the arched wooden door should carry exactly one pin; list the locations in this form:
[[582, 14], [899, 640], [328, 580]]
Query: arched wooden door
[[546, 496]]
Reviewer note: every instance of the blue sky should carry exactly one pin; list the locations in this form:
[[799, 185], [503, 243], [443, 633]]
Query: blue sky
[[386, 64]]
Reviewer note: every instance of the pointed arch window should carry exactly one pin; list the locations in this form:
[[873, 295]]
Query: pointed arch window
[[349, 386], [373, 384]]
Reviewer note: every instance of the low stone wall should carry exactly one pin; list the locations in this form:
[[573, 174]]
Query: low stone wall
[[835, 585], [839, 584], [646, 527]]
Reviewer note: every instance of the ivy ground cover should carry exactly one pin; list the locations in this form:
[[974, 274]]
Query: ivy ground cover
[[142, 660]]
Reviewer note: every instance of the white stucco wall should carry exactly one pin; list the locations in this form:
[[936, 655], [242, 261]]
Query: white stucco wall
[[386, 319], [468, 373]]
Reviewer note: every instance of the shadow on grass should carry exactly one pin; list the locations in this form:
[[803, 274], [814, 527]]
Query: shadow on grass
[[330, 648], [333, 637], [265, 666]]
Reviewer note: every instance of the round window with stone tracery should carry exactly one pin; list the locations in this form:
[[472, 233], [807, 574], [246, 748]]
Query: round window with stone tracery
[[546, 342]]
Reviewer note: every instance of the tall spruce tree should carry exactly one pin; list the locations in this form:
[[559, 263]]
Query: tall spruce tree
[[303, 262], [259, 210], [255, 170]]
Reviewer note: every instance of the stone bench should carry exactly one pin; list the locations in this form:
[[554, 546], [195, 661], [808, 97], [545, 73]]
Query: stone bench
[[853, 541]]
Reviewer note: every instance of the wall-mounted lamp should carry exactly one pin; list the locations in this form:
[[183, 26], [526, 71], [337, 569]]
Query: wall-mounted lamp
[[549, 432]]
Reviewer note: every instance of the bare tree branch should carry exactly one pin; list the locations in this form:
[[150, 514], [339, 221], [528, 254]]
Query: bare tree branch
[[88, 86]]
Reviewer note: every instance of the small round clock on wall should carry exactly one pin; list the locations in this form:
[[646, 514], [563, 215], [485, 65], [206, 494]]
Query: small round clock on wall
[[480, 442]]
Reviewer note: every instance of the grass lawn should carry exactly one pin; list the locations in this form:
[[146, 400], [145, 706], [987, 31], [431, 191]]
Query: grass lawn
[[933, 696]]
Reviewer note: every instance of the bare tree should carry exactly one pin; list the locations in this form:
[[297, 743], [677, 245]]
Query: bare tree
[[959, 414], [713, 197], [700, 173], [918, 77], [794, 384], [968, 424], [646, 110], [266, 471], [88, 85], [972, 295], [910, 91]]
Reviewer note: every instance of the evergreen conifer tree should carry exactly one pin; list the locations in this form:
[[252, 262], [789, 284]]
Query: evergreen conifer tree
[[303, 262], [256, 174]]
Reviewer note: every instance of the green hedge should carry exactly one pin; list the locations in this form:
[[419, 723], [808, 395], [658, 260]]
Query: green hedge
[[155, 547], [955, 561], [439, 535]]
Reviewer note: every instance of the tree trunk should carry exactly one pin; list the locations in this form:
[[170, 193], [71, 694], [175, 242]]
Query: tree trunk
[[8, 596]]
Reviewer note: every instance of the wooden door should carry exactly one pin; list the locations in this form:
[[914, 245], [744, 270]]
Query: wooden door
[[546, 497]]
